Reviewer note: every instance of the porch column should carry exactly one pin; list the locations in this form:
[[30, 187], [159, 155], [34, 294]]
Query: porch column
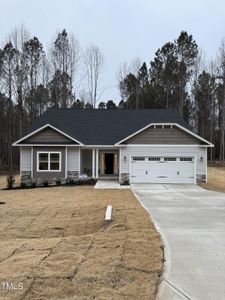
[[93, 163], [97, 152], [119, 164]]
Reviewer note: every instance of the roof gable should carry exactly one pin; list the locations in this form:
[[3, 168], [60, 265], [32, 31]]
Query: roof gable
[[162, 135], [47, 135], [170, 134]]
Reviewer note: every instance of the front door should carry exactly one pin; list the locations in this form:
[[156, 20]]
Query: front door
[[109, 163]]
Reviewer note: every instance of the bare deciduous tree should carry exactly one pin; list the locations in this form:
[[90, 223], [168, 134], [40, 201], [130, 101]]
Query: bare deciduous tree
[[65, 58], [198, 67], [19, 36], [93, 60], [127, 68]]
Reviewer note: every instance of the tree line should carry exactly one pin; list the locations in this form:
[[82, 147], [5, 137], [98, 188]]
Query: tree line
[[179, 77], [33, 79], [67, 76]]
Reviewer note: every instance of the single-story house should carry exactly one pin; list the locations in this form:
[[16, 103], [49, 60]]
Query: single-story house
[[151, 145]]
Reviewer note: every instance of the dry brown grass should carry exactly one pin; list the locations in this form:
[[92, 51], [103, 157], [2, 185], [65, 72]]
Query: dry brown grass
[[53, 240], [3, 181], [216, 179]]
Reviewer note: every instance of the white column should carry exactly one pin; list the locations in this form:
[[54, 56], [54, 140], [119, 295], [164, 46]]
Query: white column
[[32, 162], [93, 163], [120, 164], [65, 162], [97, 152], [80, 157]]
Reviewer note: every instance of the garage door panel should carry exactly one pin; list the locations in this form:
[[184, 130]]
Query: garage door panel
[[165, 170]]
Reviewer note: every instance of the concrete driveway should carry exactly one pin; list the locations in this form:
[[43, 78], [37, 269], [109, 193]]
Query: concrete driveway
[[191, 221]]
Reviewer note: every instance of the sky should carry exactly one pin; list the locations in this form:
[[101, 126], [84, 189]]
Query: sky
[[122, 29]]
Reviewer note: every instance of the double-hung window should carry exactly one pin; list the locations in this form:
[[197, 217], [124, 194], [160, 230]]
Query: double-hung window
[[49, 161]]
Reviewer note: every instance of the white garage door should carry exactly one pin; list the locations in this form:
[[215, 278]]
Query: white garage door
[[162, 169]]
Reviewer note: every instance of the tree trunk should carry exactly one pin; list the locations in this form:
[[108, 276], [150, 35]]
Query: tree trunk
[[222, 129], [181, 110]]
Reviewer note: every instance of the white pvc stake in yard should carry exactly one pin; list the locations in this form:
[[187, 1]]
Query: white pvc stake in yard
[[108, 214]]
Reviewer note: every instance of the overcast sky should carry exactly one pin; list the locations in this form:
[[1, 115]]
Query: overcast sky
[[123, 29]]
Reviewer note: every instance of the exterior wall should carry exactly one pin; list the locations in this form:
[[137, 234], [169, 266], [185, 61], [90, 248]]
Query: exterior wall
[[73, 162], [49, 175], [198, 151], [166, 135], [86, 161], [72, 166], [25, 158], [25, 163], [48, 136]]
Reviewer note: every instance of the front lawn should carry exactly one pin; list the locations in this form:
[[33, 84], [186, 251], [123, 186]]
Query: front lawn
[[3, 181], [54, 242], [216, 179]]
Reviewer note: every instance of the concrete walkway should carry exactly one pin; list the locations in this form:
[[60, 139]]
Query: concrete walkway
[[110, 184], [191, 221]]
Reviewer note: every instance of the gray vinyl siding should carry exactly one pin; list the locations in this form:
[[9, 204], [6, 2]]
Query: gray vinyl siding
[[198, 151], [73, 159], [164, 135], [86, 161], [25, 158], [48, 136], [48, 175]]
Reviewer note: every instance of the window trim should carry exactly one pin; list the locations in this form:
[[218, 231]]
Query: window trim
[[49, 161]]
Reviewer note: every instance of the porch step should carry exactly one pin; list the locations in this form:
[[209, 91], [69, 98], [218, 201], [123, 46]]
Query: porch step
[[112, 178], [110, 184]]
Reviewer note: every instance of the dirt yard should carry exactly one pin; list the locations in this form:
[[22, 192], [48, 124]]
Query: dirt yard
[[54, 243], [216, 179]]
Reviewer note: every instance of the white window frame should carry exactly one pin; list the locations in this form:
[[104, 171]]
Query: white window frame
[[49, 153]]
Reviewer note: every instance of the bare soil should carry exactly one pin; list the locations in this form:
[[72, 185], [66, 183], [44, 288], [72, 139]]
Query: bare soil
[[216, 179], [55, 243]]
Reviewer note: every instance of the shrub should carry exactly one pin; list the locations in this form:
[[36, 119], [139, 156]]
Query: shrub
[[45, 183], [10, 181], [33, 184], [23, 185], [70, 181], [28, 184], [125, 182]]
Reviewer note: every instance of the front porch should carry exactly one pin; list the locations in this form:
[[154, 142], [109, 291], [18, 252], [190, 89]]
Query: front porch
[[100, 163]]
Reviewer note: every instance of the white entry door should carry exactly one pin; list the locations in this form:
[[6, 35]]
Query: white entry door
[[168, 169]]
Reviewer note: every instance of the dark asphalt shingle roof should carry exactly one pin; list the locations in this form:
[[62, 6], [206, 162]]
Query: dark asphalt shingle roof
[[105, 127]]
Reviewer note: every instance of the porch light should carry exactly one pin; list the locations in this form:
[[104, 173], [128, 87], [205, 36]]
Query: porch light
[[125, 158], [201, 159]]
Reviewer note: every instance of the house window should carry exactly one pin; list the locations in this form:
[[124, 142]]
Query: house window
[[140, 158], [186, 158], [170, 158], [154, 158], [49, 161]]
